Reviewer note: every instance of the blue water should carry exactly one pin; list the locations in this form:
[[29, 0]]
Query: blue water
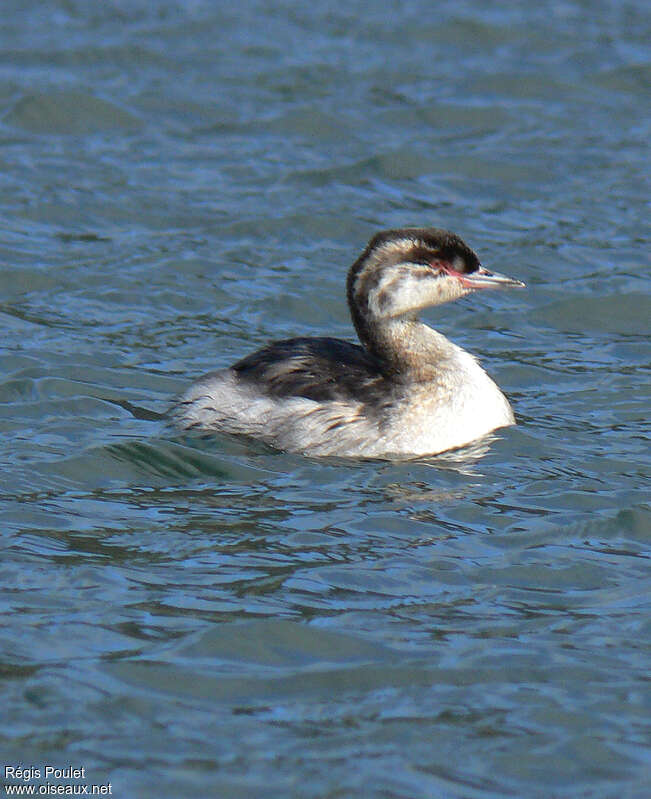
[[184, 181]]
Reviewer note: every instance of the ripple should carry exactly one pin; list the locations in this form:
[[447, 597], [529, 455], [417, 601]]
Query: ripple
[[69, 113]]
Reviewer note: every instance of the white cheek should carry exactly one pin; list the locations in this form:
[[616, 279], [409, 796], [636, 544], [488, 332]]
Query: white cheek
[[396, 295], [450, 289]]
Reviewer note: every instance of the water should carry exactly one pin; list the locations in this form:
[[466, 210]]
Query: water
[[183, 182]]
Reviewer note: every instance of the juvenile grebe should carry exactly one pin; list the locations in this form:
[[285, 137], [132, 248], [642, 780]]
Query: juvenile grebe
[[406, 391]]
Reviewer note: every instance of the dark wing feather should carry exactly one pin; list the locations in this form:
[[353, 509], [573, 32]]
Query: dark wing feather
[[320, 369]]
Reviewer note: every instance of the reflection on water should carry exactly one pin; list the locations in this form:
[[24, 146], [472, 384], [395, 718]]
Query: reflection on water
[[203, 616]]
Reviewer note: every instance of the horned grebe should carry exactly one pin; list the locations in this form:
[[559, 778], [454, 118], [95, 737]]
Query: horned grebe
[[406, 391]]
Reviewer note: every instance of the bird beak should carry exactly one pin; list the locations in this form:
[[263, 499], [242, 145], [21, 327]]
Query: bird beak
[[483, 279]]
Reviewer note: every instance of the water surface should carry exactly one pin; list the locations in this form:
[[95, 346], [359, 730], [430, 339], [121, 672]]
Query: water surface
[[183, 182]]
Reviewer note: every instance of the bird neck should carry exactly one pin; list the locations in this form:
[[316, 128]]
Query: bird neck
[[408, 348]]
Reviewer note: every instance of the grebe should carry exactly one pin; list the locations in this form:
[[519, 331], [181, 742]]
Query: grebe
[[407, 391]]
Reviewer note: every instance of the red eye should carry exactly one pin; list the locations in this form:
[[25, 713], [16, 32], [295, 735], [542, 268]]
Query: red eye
[[447, 268], [441, 265]]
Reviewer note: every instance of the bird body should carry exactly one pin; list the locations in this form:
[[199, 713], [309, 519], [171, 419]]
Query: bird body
[[406, 391]]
